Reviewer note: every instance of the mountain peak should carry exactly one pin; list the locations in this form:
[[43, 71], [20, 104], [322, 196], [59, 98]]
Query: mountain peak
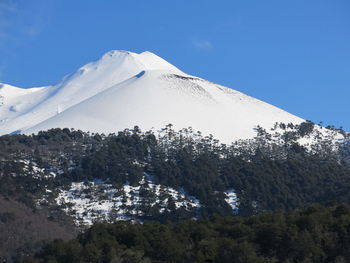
[[123, 89], [142, 61]]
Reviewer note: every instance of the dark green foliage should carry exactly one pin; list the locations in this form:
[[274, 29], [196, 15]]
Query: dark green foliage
[[314, 234], [265, 174]]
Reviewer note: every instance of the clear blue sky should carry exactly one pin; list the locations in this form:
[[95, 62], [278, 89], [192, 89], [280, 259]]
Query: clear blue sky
[[294, 54]]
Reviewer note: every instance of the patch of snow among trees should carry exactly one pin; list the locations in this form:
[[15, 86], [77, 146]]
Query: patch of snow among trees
[[232, 200], [32, 169], [94, 201]]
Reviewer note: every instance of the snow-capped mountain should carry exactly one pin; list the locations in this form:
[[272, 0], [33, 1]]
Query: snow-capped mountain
[[123, 89]]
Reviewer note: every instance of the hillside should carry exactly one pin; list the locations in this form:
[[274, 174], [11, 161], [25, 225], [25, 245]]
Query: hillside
[[167, 176]]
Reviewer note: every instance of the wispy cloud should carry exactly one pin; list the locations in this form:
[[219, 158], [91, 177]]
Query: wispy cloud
[[7, 5], [39, 22], [7, 9], [28, 19], [202, 44], [20, 22]]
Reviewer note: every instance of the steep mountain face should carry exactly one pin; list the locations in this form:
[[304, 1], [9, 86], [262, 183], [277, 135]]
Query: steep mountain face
[[123, 89]]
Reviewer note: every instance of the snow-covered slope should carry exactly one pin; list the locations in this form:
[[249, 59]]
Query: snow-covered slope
[[124, 89]]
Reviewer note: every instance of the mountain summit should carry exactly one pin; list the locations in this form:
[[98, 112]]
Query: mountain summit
[[123, 89]]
